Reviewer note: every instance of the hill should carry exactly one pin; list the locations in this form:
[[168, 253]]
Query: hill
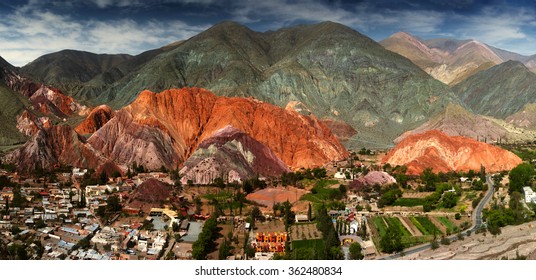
[[499, 91], [443, 153]]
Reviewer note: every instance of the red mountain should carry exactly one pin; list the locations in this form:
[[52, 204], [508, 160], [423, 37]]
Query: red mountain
[[443, 153], [96, 119], [166, 128]]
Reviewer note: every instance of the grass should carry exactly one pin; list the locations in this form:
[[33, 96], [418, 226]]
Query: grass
[[394, 222], [409, 241], [323, 193], [380, 225], [447, 223], [409, 202], [426, 225], [318, 244]]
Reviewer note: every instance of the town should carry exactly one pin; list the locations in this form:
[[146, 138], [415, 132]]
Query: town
[[352, 209]]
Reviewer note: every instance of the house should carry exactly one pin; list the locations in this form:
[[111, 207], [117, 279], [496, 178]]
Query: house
[[530, 195], [302, 218]]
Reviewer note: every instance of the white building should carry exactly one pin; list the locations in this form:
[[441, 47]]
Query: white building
[[530, 195]]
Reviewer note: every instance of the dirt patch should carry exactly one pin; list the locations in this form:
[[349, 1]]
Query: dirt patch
[[409, 225], [269, 196], [438, 224]]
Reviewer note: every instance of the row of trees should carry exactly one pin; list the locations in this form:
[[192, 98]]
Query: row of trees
[[206, 241]]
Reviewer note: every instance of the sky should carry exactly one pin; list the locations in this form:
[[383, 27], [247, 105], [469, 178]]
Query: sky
[[31, 28]]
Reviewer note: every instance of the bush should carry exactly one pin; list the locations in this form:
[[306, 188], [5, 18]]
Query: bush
[[457, 216]]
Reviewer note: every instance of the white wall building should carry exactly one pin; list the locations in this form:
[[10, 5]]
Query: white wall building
[[530, 195]]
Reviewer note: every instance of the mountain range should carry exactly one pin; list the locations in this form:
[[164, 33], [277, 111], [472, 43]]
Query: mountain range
[[237, 103], [449, 60], [333, 70]]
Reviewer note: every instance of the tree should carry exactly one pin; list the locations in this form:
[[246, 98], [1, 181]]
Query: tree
[[355, 251], [103, 178], [391, 241], [309, 213], [449, 199], [113, 203], [520, 177]]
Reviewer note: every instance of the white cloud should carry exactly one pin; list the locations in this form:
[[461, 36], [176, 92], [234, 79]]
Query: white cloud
[[29, 34], [494, 25], [361, 16]]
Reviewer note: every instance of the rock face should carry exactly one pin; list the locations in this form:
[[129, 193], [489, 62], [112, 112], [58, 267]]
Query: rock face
[[340, 129], [499, 91], [525, 118], [443, 153], [373, 177], [29, 124], [167, 128], [96, 119], [232, 155], [55, 145]]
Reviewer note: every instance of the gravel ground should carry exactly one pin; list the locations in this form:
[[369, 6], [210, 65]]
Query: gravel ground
[[512, 241]]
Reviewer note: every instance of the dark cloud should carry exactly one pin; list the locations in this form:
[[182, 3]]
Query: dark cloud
[[32, 27]]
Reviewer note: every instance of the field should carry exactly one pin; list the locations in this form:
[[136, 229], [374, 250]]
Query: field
[[425, 225], [322, 191], [409, 202], [413, 231], [394, 222], [316, 244], [447, 223], [305, 231], [269, 196]]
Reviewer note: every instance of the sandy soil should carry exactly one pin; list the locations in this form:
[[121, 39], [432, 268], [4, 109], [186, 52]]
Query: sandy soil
[[270, 196], [513, 240]]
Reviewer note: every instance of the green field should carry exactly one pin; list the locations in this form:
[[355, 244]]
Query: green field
[[425, 225], [409, 202], [447, 223], [380, 225], [394, 222], [320, 192]]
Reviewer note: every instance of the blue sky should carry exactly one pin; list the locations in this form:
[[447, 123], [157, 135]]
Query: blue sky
[[31, 28]]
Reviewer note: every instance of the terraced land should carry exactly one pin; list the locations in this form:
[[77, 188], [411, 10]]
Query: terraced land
[[425, 225], [447, 223]]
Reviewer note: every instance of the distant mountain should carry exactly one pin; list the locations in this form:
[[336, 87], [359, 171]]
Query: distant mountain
[[443, 153], [85, 75], [525, 118], [335, 71], [499, 91], [13, 104], [450, 61], [457, 121], [71, 66], [166, 129]]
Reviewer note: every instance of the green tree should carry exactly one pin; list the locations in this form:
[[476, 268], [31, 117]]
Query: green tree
[[391, 241], [309, 213], [520, 177], [113, 203], [355, 251]]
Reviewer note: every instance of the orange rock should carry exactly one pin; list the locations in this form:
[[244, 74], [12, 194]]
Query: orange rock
[[96, 119], [443, 153], [187, 116]]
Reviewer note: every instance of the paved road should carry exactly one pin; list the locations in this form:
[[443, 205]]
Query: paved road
[[477, 222]]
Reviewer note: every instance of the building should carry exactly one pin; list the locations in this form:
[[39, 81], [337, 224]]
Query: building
[[302, 218], [530, 195]]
